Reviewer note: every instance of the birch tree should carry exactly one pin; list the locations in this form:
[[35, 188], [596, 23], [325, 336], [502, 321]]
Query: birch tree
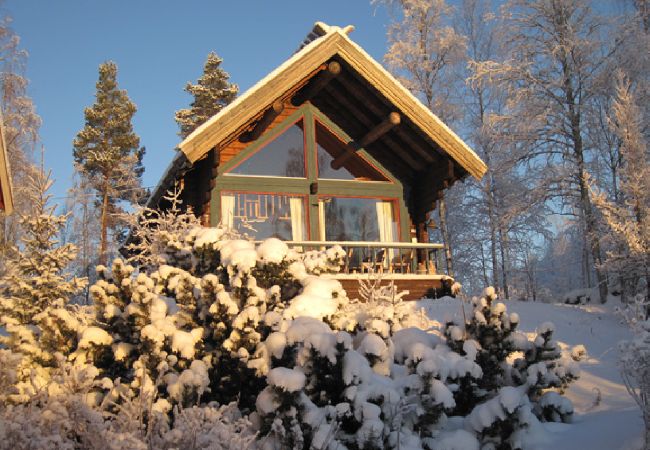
[[629, 218], [83, 228], [425, 52], [556, 57], [20, 124]]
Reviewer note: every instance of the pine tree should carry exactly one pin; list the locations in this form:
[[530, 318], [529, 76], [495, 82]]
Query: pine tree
[[212, 92], [37, 283], [108, 150]]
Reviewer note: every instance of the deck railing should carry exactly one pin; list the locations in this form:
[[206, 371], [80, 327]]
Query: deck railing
[[391, 257]]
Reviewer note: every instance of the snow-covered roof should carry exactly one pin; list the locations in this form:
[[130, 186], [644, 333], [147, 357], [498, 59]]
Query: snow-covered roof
[[326, 43]]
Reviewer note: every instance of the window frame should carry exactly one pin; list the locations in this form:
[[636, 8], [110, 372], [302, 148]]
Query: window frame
[[391, 190], [304, 197]]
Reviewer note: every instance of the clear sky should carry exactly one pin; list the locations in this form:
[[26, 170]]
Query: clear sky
[[160, 45]]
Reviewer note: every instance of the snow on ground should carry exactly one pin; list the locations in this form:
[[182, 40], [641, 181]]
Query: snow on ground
[[606, 417]]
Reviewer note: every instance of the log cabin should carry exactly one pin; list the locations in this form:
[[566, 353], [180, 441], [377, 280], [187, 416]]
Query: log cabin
[[329, 148]]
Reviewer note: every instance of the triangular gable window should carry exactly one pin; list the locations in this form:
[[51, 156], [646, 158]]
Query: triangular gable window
[[283, 156], [354, 168]]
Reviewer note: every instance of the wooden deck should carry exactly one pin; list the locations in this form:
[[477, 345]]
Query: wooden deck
[[419, 286]]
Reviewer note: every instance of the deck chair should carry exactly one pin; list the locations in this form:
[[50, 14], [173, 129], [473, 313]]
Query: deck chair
[[373, 263], [402, 262]]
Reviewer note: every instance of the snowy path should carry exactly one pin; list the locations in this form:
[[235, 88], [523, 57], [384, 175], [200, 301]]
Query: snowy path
[[612, 423]]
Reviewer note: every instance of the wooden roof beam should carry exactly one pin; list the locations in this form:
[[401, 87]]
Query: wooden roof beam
[[267, 119], [401, 168], [332, 70], [371, 136], [341, 103], [344, 99], [353, 86]]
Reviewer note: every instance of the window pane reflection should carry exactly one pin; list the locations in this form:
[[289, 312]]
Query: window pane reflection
[[284, 156], [358, 219], [355, 168]]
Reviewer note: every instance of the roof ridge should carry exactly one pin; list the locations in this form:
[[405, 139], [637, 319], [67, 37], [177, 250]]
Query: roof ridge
[[319, 30]]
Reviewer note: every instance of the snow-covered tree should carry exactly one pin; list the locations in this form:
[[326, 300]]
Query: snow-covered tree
[[157, 236], [519, 387], [424, 52], [35, 292], [83, 229], [635, 358], [211, 93], [107, 149], [556, 56], [20, 125], [630, 218]]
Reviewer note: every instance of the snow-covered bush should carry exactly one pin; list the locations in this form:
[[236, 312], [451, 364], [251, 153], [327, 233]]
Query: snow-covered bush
[[635, 358], [188, 330], [219, 320], [518, 374]]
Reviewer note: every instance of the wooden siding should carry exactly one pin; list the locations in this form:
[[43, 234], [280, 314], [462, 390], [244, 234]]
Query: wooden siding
[[418, 287], [235, 147]]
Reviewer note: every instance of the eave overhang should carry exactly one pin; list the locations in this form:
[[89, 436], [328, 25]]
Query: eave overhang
[[297, 71]]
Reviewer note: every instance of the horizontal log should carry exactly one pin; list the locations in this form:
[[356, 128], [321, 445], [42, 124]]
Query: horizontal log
[[269, 116], [386, 125], [401, 161], [332, 70]]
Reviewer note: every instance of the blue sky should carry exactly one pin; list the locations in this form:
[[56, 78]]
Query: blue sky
[[158, 47]]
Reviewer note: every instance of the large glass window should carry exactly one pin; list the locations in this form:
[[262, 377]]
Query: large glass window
[[357, 219], [284, 156], [341, 217], [265, 215], [331, 147]]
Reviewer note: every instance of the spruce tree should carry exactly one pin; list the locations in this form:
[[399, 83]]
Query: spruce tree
[[36, 289], [107, 149], [212, 92]]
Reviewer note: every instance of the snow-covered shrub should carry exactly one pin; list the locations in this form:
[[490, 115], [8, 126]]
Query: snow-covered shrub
[[62, 414], [157, 237], [219, 320], [501, 420], [189, 329], [544, 365], [487, 340], [635, 358], [512, 366], [380, 305], [209, 427]]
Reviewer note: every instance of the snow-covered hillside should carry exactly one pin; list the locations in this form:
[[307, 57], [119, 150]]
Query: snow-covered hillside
[[606, 417]]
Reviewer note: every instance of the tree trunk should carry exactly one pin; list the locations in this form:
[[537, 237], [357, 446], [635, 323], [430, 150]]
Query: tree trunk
[[103, 257], [586, 268], [442, 211], [504, 272], [486, 281], [590, 220], [575, 124], [493, 233]]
